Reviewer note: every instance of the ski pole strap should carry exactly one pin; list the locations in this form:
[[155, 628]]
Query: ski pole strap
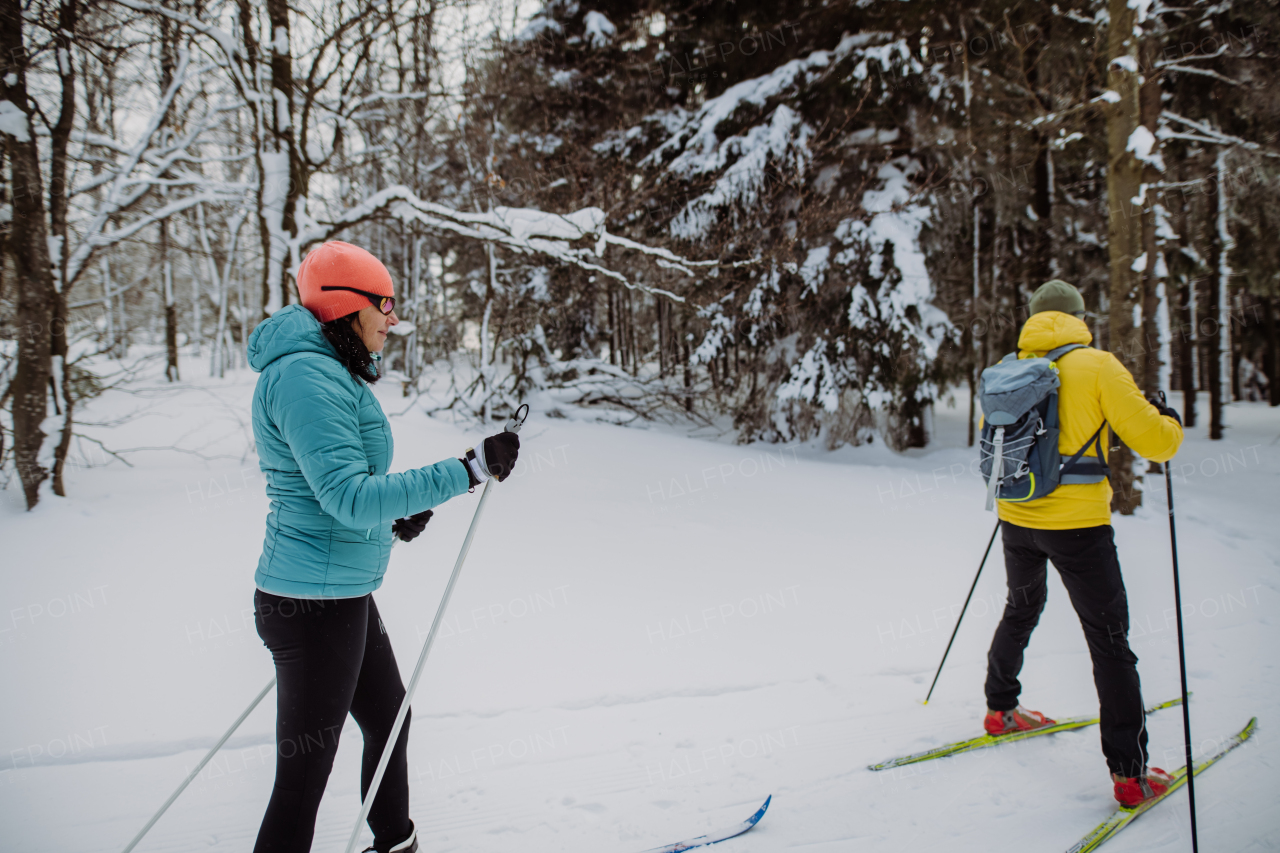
[[517, 419], [1080, 471]]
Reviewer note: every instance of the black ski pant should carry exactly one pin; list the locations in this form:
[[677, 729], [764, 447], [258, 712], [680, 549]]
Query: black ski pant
[[332, 657], [1087, 562]]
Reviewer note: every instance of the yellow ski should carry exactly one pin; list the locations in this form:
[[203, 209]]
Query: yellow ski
[[1124, 816], [985, 740]]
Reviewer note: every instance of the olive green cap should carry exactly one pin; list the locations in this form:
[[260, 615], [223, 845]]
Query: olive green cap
[[1057, 295]]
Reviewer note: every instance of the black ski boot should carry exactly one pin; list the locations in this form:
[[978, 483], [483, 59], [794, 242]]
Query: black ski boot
[[404, 845]]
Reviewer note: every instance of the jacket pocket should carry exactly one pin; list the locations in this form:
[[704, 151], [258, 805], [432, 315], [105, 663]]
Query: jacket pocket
[[302, 545]]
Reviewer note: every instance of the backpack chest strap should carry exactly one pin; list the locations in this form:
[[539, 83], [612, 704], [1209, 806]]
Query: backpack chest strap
[[1082, 470]]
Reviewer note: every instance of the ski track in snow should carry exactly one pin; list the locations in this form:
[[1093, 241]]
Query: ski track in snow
[[652, 633]]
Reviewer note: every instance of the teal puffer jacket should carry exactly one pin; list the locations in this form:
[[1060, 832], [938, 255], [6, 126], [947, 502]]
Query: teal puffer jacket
[[324, 446]]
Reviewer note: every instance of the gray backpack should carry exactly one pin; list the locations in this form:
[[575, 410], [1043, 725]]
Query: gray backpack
[[1018, 449]]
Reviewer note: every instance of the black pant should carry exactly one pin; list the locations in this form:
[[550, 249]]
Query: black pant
[[332, 656], [1087, 562]]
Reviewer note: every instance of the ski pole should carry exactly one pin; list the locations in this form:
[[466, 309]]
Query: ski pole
[[962, 610], [513, 425], [187, 781], [1182, 655]]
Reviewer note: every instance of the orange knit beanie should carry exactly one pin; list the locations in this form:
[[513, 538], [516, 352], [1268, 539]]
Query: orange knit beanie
[[338, 264]]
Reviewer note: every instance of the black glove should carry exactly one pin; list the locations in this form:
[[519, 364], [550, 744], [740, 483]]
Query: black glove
[[495, 457], [409, 528], [1165, 410]]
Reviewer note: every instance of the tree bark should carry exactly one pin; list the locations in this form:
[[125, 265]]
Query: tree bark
[[170, 309], [169, 32], [972, 377], [631, 330], [1182, 271], [1041, 266], [1273, 351], [613, 329], [1222, 270], [1235, 298], [29, 243], [279, 188], [1210, 331], [59, 192], [1124, 232], [973, 345], [1186, 353], [1149, 113]]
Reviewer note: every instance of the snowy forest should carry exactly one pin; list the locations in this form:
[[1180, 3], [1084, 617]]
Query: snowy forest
[[814, 219], [742, 265]]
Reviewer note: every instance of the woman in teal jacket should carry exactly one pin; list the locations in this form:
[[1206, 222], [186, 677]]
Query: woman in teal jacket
[[325, 448]]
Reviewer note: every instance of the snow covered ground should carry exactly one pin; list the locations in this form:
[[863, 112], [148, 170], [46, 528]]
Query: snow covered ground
[[653, 632]]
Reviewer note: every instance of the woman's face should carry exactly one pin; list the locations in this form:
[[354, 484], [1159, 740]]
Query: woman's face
[[372, 326]]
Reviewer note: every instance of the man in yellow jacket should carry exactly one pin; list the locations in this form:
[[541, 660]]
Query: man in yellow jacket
[[1072, 527]]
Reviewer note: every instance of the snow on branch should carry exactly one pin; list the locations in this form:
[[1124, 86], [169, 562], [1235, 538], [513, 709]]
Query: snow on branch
[[226, 42], [1216, 135], [693, 146], [126, 186], [524, 230], [694, 142], [1205, 72], [107, 238]]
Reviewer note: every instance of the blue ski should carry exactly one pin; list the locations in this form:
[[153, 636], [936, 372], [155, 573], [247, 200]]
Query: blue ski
[[715, 837]]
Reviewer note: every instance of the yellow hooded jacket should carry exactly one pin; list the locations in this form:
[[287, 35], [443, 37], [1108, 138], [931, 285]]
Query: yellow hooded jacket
[[1095, 386]]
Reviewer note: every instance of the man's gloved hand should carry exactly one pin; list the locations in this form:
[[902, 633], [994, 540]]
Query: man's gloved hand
[[495, 457], [409, 528], [1165, 410]]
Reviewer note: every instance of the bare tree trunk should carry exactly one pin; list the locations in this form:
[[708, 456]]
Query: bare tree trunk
[[1124, 232], [108, 307], [197, 316], [170, 309], [1223, 272], [631, 328], [220, 283], [1187, 352], [1235, 299], [659, 307], [1042, 204], [1211, 316], [613, 328], [688, 379], [974, 345], [59, 192], [169, 34], [282, 174], [29, 242], [968, 344], [1273, 351], [1152, 341], [243, 349]]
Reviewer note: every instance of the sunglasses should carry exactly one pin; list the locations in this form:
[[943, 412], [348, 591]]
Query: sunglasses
[[385, 304]]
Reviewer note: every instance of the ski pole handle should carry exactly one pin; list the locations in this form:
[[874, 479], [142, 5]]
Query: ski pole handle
[[517, 420]]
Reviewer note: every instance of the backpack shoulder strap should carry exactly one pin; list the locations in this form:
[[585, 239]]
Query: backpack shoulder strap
[[1057, 352]]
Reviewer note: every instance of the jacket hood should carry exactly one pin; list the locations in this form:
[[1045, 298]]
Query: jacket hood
[[289, 330], [1050, 329]]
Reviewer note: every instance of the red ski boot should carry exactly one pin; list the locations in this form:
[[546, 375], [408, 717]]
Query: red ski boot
[[1017, 720], [1133, 791]]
